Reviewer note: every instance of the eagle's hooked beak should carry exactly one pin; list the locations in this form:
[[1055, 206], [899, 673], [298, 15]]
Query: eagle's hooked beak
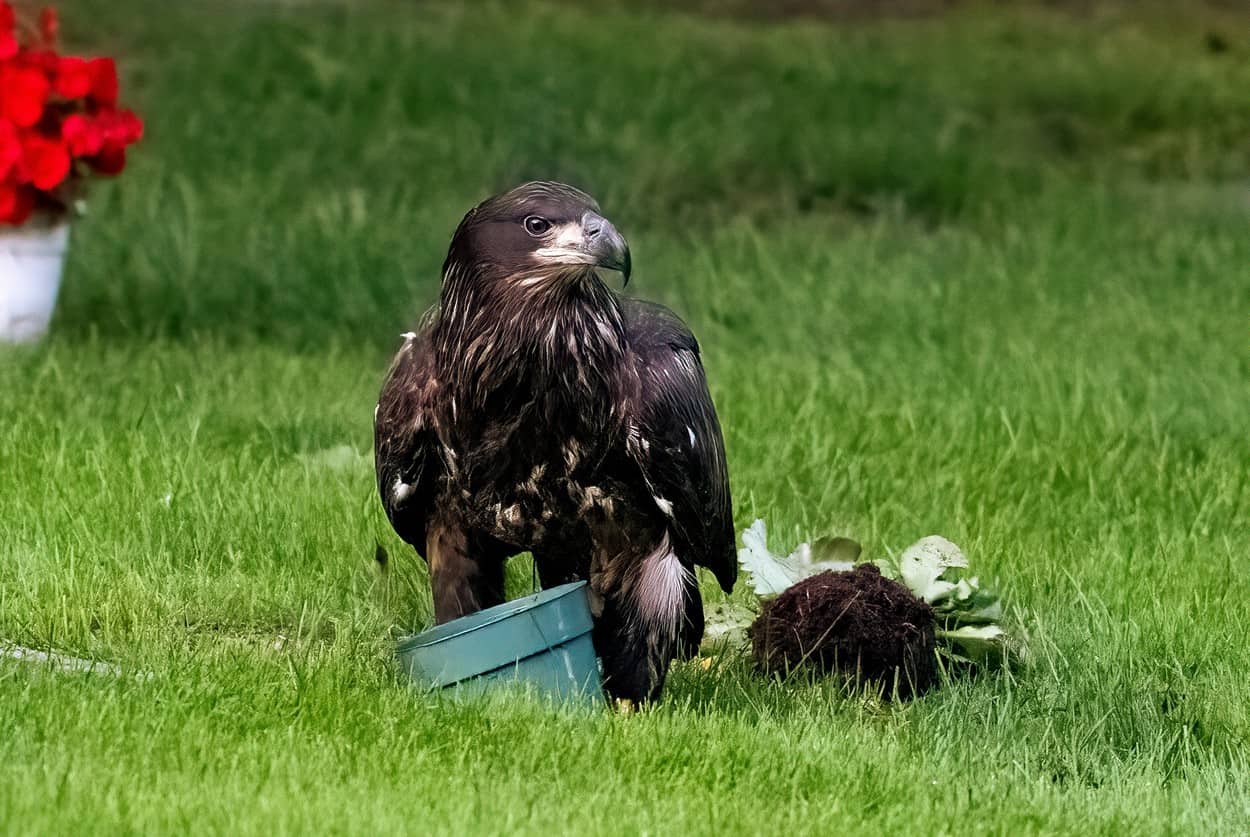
[[604, 244]]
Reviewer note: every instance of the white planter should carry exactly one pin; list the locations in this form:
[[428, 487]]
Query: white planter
[[31, 259]]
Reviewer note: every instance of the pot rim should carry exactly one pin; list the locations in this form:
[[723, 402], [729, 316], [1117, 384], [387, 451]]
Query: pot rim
[[36, 239], [484, 618]]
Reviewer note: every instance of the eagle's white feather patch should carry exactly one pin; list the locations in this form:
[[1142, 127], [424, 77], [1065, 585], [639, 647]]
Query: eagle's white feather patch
[[661, 588], [567, 235], [564, 246], [400, 491], [564, 255]]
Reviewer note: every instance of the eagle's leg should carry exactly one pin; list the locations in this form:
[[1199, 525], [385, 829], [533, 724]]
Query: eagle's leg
[[692, 625], [646, 620], [466, 571], [554, 569]]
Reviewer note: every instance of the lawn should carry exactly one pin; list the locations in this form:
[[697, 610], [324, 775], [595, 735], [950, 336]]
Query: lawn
[[984, 274]]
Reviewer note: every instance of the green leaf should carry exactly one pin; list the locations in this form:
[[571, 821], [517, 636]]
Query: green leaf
[[981, 645], [726, 623], [836, 550]]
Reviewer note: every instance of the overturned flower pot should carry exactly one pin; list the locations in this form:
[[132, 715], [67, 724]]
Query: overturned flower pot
[[542, 642]]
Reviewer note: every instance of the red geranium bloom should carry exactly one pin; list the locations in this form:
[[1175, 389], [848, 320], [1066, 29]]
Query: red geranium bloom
[[54, 112], [24, 92], [8, 44], [81, 135], [103, 80], [16, 203], [8, 199], [131, 126], [85, 136], [73, 77], [46, 162], [111, 160], [10, 149], [119, 127], [43, 60]]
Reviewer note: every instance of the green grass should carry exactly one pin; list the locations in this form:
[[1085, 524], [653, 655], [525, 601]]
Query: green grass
[[983, 275]]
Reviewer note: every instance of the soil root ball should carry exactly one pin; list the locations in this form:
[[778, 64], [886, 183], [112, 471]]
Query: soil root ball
[[858, 623]]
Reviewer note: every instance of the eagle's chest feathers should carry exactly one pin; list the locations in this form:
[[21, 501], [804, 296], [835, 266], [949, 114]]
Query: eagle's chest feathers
[[536, 407]]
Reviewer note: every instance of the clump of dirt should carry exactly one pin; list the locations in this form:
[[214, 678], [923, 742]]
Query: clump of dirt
[[858, 623]]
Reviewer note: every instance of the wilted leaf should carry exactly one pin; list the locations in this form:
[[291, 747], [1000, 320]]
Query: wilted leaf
[[922, 564], [769, 574], [764, 571]]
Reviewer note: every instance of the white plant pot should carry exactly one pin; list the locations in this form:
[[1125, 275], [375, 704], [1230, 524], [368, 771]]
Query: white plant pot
[[31, 260]]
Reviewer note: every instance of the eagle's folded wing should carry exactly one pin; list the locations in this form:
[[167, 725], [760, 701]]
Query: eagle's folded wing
[[405, 445], [676, 439]]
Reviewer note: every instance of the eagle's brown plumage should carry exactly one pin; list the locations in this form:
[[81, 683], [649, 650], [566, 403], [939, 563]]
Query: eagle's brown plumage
[[537, 410]]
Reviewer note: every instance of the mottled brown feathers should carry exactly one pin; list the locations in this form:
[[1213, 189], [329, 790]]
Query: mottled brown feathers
[[537, 410]]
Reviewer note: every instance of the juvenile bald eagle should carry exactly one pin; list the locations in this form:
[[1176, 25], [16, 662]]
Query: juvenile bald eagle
[[538, 410]]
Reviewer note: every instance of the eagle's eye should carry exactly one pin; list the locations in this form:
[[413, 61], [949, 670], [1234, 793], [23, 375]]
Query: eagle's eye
[[536, 226]]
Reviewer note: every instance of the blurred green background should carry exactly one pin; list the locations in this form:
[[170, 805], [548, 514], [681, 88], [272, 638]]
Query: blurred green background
[[306, 161]]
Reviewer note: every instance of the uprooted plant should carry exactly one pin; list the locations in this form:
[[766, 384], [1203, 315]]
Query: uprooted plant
[[890, 624]]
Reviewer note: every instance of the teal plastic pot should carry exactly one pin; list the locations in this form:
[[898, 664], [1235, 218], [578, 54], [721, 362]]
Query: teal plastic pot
[[542, 641]]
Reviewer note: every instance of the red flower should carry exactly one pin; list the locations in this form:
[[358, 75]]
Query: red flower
[[16, 203], [103, 80], [46, 162], [111, 160], [120, 127], [73, 77], [24, 92], [81, 135], [8, 44], [8, 200], [10, 149], [131, 126], [54, 112], [41, 60], [109, 130]]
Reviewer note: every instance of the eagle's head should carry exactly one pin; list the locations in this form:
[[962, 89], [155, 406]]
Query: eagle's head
[[537, 235]]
